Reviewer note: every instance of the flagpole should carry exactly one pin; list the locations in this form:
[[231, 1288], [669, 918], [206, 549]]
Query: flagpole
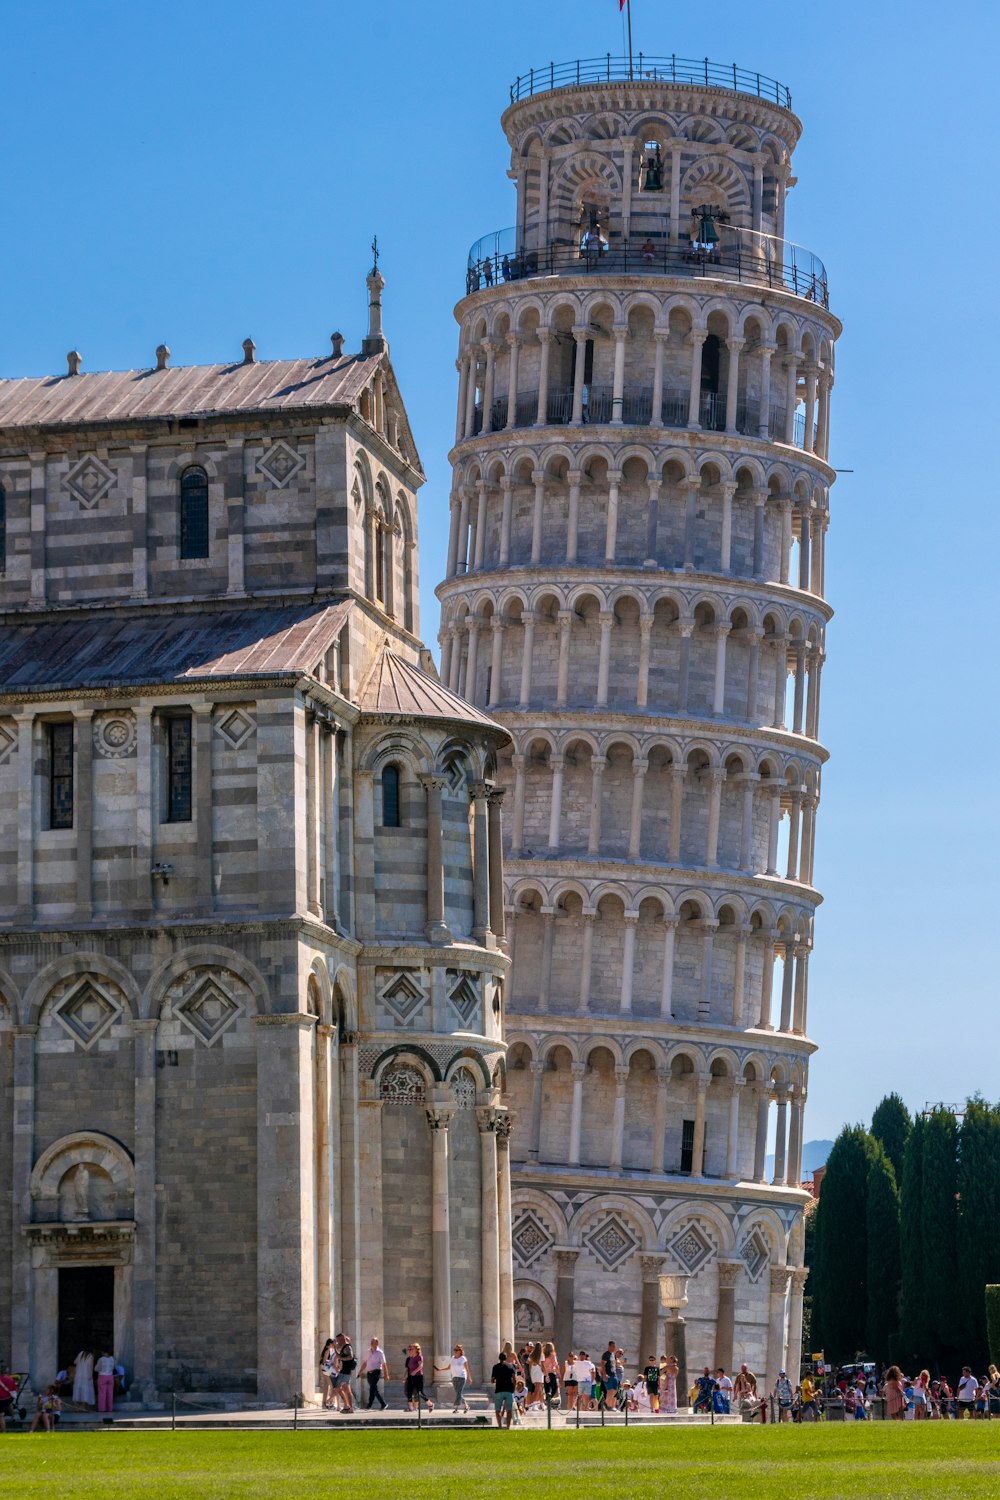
[[629, 4]]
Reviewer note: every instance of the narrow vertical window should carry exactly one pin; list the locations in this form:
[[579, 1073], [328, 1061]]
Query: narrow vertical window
[[60, 775], [687, 1145], [179, 769], [390, 797], [194, 513], [379, 562], [3, 530]]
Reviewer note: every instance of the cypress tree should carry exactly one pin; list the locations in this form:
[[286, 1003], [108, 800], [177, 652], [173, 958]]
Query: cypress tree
[[979, 1224], [939, 1237], [891, 1126], [882, 1226], [911, 1243], [840, 1297]]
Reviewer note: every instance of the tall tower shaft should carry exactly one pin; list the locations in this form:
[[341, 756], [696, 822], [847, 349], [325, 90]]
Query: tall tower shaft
[[635, 588]]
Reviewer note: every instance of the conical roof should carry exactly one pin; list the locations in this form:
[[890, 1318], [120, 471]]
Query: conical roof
[[396, 688]]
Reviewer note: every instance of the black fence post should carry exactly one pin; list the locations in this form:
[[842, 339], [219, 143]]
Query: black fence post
[[295, 1412], [173, 1412], [548, 1410]]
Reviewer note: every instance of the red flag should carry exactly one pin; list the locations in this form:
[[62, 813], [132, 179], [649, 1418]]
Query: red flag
[[621, 6]]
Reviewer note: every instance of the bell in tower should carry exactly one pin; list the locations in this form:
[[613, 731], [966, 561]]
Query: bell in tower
[[652, 170]]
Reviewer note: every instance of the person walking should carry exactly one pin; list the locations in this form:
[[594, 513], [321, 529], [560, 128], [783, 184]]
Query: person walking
[[895, 1396], [550, 1374], [460, 1375], [346, 1366], [376, 1368], [784, 1396], [415, 1379], [968, 1387], [105, 1370], [651, 1377], [586, 1374], [503, 1377], [921, 1396], [327, 1370], [609, 1374], [83, 1379], [668, 1386], [536, 1378], [724, 1388], [571, 1381]]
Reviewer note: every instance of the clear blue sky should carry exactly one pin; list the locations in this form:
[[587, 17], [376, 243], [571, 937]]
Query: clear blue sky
[[199, 172]]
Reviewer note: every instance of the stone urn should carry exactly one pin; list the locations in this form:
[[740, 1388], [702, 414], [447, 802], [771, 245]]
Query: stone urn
[[674, 1293]]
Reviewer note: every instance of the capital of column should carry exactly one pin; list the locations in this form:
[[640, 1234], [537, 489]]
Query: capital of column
[[719, 632], [708, 925], [538, 476], [767, 351], [496, 623], [478, 791], [735, 345], [640, 767], [619, 332], [606, 619], [565, 618], [631, 919], [800, 1275], [760, 497], [566, 1262], [557, 763], [651, 1266], [780, 1277], [697, 336], [578, 1070], [495, 795], [580, 333], [729, 1273], [430, 782], [645, 626], [486, 1118], [621, 1077], [543, 335], [598, 762], [506, 483], [536, 1067], [574, 476], [661, 335], [668, 924], [438, 1117], [512, 339], [615, 476], [489, 346], [504, 1126]]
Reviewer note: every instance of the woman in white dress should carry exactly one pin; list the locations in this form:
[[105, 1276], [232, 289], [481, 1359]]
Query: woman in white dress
[[83, 1379]]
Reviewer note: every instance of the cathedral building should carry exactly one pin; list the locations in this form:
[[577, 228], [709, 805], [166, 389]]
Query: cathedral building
[[635, 588], [251, 903]]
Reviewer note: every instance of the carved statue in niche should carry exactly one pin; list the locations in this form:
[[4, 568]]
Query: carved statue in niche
[[86, 1194]]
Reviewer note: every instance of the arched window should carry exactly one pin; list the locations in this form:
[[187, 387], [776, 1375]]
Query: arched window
[[194, 513], [3, 530], [380, 561], [390, 797]]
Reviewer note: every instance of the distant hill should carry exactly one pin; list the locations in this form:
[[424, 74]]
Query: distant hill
[[814, 1154]]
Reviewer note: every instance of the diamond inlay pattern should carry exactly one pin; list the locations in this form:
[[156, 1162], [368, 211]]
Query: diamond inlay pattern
[[612, 1242], [280, 464], [86, 1013], [692, 1247], [755, 1253], [464, 996], [89, 481], [529, 1239], [403, 996], [208, 1011], [235, 728]]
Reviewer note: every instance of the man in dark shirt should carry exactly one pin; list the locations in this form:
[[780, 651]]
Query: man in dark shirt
[[706, 1385], [651, 1375], [503, 1376]]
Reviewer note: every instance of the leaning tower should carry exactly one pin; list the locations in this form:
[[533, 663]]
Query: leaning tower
[[635, 588]]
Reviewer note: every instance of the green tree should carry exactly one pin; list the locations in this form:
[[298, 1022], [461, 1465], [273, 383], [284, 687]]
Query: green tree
[[979, 1219], [840, 1296], [911, 1242], [891, 1126], [939, 1237], [993, 1321], [882, 1225]]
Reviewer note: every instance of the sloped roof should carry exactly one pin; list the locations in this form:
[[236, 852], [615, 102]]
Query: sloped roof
[[396, 688], [107, 651], [187, 391]]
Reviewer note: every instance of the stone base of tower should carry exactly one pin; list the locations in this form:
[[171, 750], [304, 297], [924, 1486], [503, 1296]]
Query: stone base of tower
[[589, 1252]]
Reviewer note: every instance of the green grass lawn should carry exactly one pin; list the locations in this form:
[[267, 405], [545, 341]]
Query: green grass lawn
[[753, 1463]]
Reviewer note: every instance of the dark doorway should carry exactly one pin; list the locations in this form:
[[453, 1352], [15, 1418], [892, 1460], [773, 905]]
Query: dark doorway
[[86, 1311]]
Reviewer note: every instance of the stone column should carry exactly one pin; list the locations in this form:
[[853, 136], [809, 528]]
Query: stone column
[[454, 659], [812, 372], [759, 502], [766, 352], [794, 817], [462, 559], [780, 1277], [631, 920], [597, 765], [618, 377], [725, 1317], [760, 1140], [660, 1121], [83, 812], [693, 484], [23, 1155], [787, 984], [661, 335], [580, 335], [524, 697], [578, 1071], [793, 1359], [781, 1095], [507, 489], [757, 200], [794, 1140], [785, 507], [350, 1187], [768, 938], [649, 1316], [642, 685], [606, 618], [557, 765], [798, 702], [586, 960], [455, 506], [618, 1119], [286, 1186], [696, 338], [534, 1139], [721, 633], [709, 929], [436, 928], [462, 366], [667, 984], [488, 379], [746, 860], [574, 478], [678, 776], [494, 800], [537, 515], [470, 392], [144, 1262], [481, 930], [438, 1120], [726, 540], [548, 938], [503, 1128], [514, 344], [684, 629], [774, 792], [823, 423], [733, 1136], [496, 661], [799, 1009], [490, 1243], [739, 975], [480, 553], [562, 1331], [733, 382], [565, 627], [611, 529], [517, 828], [371, 1272], [675, 192], [544, 337], [698, 1149], [325, 1301], [791, 386], [812, 728], [639, 769], [715, 780], [314, 812], [805, 549]]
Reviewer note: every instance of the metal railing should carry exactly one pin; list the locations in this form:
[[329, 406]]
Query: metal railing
[[597, 407], [643, 69], [743, 255]]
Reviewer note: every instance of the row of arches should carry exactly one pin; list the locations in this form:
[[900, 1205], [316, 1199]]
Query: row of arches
[[635, 127], [714, 662], [656, 801], [687, 958], [385, 520], [637, 509], [646, 360], [665, 1111]]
